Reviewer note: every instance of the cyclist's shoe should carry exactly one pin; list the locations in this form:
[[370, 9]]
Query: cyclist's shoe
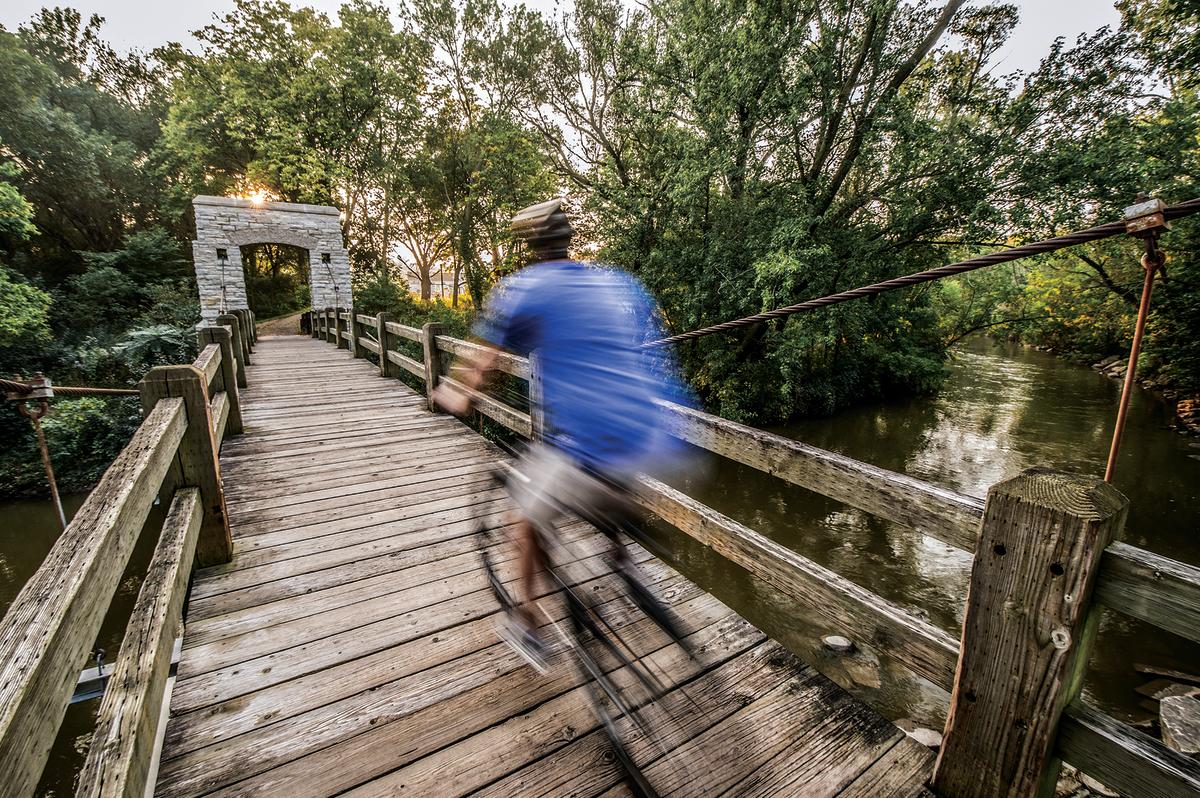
[[648, 603], [523, 639]]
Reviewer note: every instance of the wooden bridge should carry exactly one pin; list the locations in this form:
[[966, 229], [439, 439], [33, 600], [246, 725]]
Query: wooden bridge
[[337, 633]]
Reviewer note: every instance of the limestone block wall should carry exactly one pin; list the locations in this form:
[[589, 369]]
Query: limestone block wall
[[228, 223]]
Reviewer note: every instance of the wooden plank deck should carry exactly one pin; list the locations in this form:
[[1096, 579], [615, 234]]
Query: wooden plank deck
[[349, 647]]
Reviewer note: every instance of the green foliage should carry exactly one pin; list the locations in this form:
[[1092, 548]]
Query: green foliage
[[23, 314], [82, 435], [737, 157]]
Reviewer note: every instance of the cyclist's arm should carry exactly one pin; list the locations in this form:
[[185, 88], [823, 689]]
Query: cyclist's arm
[[457, 402]]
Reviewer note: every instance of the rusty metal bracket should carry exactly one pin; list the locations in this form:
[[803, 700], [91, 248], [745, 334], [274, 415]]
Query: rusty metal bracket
[[1146, 218]]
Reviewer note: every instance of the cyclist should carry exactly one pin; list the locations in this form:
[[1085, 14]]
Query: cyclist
[[597, 390]]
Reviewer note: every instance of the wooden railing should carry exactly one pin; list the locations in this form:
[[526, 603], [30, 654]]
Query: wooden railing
[[53, 623], [1045, 558]]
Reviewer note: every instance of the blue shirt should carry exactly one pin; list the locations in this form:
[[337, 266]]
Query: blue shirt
[[584, 326]]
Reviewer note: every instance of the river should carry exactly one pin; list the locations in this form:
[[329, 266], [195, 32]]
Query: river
[[1003, 408]]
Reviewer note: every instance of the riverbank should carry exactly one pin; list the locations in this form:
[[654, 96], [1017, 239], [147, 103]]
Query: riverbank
[[1186, 405]]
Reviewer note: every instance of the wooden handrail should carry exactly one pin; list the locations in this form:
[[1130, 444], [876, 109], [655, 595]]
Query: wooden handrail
[[404, 331], [1150, 587], [57, 615], [129, 715], [1130, 580], [209, 362]]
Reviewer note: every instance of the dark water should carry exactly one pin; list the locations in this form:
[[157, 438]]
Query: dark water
[[28, 529], [1004, 408]]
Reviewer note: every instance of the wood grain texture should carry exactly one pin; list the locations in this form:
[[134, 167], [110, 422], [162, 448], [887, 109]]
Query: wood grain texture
[[196, 459], [386, 344], [1134, 764], [226, 379], [404, 331], [1029, 625], [407, 363], [951, 517], [54, 620], [119, 756], [239, 347], [847, 608], [432, 361], [472, 352], [349, 645], [515, 420], [209, 362], [1151, 587]]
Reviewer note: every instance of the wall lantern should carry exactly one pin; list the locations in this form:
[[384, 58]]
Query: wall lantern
[[325, 257], [223, 258]]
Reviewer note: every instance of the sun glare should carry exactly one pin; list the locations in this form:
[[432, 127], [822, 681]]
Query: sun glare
[[257, 197]]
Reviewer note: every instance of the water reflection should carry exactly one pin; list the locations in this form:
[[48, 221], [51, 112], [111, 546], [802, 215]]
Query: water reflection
[[1003, 409]]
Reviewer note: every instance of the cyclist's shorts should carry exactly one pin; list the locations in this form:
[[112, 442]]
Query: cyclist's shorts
[[549, 484]]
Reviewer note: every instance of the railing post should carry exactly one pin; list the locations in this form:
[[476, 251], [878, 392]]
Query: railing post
[[433, 359], [226, 379], [253, 325], [244, 328], [355, 329], [239, 349], [338, 329], [196, 461], [330, 327], [1028, 629], [325, 324], [386, 367]]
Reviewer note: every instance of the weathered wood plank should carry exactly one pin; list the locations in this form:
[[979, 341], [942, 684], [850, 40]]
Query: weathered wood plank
[[196, 458], [53, 622], [1151, 587], [900, 773], [941, 513], [404, 331], [220, 416], [471, 717], [200, 689], [1134, 764], [226, 379], [119, 756], [518, 422], [407, 363], [432, 361], [366, 343], [585, 765], [418, 674], [209, 362], [846, 607], [1029, 613], [473, 353], [343, 567], [240, 349]]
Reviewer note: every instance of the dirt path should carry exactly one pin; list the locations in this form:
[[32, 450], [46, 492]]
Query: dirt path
[[286, 325]]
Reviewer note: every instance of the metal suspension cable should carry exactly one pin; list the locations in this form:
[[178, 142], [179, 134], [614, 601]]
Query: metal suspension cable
[[1016, 253], [12, 386]]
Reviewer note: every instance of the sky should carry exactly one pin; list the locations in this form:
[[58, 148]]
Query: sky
[[148, 23]]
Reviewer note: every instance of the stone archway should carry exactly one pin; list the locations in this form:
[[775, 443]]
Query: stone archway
[[223, 224]]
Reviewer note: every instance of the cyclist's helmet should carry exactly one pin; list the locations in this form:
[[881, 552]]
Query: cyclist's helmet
[[545, 228]]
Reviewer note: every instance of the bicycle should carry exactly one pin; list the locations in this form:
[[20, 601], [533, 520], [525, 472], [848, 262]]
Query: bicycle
[[589, 628]]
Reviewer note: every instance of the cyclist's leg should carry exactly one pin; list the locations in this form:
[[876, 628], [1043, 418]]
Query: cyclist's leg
[[533, 560]]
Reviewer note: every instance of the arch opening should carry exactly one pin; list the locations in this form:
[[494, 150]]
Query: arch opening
[[277, 277]]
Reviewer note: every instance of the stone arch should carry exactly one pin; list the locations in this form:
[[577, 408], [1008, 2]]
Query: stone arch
[[224, 224], [274, 235]]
